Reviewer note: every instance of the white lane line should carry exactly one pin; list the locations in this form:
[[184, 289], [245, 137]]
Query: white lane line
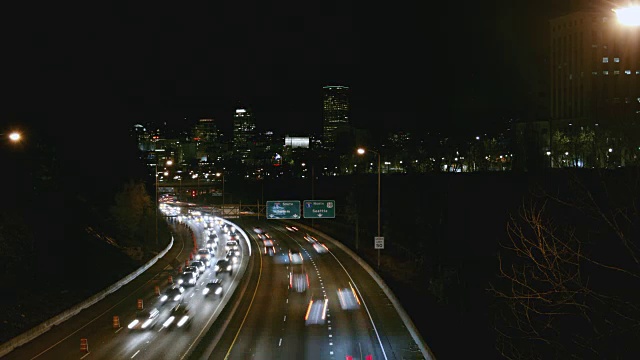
[[280, 342], [285, 318], [134, 355], [85, 355]]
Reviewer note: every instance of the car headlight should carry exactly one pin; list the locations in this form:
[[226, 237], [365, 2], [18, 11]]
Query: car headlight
[[218, 290], [147, 323], [228, 267], [217, 267], [163, 298], [183, 320], [180, 281], [133, 323], [176, 298], [205, 291]]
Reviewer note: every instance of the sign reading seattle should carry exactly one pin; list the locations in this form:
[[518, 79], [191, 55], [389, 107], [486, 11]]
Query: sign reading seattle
[[319, 209], [283, 209]]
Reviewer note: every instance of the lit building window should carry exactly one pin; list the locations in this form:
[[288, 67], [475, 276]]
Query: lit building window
[[627, 72], [616, 72], [616, 60], [605, 60], [605, 72]]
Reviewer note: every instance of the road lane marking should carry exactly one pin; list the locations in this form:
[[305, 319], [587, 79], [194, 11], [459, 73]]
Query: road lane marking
[[134, 355]]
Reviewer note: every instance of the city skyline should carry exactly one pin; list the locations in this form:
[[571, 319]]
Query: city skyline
[[136, 65]]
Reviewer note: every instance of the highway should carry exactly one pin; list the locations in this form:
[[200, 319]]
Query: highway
[[271, 323], [110, 339], [323, 305]]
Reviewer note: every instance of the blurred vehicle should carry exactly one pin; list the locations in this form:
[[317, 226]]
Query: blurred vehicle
[[144, 319], [180, 317], [213, 287], [269, 249], [290, 228], [193, 269], [320, 248], [231, 245], [310, 239], [232, 257], [188, 278], [223, 265], [173, 294], [295, 257], [212, 245], [200, 265], [298, 279], [348, 298], [316, 311], [203, 253], [257, 230]]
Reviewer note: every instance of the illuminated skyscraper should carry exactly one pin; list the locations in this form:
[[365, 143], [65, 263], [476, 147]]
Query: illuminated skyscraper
[[335, 107], [244, 132]]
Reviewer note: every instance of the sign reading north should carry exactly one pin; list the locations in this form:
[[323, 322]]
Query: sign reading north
[[283, 209], [319, 209]]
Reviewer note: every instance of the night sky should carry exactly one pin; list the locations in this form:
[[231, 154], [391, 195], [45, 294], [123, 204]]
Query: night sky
[[93, 69]]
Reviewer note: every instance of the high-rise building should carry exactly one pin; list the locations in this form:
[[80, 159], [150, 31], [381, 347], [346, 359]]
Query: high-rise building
[[595, 69], [335, 107], [594, 87], [206, 137], [244, 132]]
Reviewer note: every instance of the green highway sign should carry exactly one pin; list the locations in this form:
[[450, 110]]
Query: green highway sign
[[319, 209], [283, 209]]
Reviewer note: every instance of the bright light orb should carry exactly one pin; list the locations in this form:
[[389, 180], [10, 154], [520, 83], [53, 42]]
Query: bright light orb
[[629, 16], [15, 136]]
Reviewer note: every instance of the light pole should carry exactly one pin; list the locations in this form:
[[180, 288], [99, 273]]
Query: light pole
[[169, 163], [218, 175], [361, 151]]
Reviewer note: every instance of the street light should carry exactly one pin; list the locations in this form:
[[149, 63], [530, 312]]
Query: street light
[[361, 151], [628, 16], [15, 136], [168, 163], [218, 175]]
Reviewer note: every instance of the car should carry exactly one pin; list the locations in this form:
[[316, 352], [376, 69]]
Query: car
[[289, 228], [179, 317], [316, 311], [193, 269], [295, 256], [223, 265], [144, 319], [320, 248], [213, 287], [212, 245], [310, 239], [298, 279], [173, 294], [203, 253], [231, 245], [187, 278], [269, 248], [200, 265], [232, 257], [348, 298], [257, 230]]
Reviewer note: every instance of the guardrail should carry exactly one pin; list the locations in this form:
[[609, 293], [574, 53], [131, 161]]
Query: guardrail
[[42, 328]]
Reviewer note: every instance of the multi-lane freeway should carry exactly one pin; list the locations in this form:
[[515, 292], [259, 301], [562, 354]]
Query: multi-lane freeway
[[292, 294]]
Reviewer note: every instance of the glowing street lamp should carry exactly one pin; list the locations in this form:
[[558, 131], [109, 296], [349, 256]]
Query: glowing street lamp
[[15, 136], [628, 16], [362, 151], [218, 175]]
